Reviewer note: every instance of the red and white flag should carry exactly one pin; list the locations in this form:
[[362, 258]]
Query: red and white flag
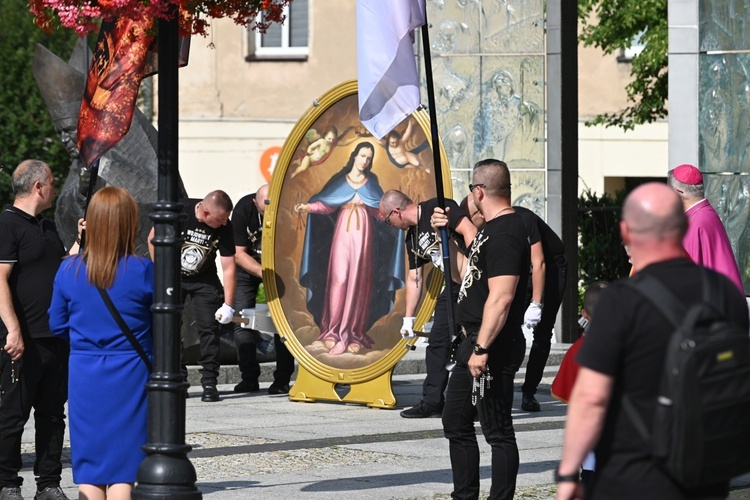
[[112, 85], [386, 65]]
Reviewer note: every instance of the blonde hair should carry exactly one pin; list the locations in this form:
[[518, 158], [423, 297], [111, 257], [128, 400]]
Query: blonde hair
[[111, 225]]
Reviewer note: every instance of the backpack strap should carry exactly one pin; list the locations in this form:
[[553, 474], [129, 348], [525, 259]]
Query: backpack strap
[[664, 301], [661, 297]]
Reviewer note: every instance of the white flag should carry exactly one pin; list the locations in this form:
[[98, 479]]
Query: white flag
[[386, 66]]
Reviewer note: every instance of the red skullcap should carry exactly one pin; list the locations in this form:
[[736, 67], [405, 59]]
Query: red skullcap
[[688, 174]]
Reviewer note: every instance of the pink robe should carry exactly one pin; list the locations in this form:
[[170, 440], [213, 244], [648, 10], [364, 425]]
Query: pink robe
[[707, 243], [349, 275]]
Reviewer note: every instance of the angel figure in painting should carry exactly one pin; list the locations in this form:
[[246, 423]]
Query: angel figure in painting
[[395, 142], [351, 264]]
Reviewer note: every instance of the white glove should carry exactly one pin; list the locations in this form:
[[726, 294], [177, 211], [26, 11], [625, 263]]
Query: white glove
[[224, 314], [533, 315], [407, 328]]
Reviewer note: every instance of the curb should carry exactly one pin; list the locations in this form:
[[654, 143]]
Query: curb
[[412, 363]]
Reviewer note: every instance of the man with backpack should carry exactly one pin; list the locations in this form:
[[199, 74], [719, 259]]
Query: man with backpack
[[657, 435]]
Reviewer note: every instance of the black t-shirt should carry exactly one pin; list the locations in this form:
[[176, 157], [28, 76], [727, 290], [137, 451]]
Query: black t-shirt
[[422, 245], [198, 252], [552, 245], [628, 340], [500, 249], [35, 249], [248, 228]]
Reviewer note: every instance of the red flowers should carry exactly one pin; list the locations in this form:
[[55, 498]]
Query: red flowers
[[83, 16]]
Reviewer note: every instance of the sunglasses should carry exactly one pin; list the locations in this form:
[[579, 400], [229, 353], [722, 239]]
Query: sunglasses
[[472, 186]]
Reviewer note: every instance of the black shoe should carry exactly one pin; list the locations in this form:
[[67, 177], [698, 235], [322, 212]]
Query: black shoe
[[210, 394], [529, 403], [278, 388], [422, 410], [54, 493], [11, 493], [246, 386]]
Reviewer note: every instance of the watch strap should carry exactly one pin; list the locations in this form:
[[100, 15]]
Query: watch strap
[[566, 478]]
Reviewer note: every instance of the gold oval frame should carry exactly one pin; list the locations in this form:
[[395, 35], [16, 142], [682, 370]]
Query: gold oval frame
[[311, 364]]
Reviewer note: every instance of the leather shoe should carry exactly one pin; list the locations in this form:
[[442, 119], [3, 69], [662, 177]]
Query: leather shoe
[[278, 389], [422, 410], [11, 493], [247, 386], [210, 394], [529, 403]]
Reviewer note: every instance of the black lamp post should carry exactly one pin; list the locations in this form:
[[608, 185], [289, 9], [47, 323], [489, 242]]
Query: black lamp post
[[166, 472]]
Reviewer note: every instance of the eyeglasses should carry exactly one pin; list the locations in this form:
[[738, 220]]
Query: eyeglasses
[[266, 201], [388, 218], [472, 186]]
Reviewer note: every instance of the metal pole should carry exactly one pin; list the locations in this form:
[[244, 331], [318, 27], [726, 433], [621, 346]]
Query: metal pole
[[166, 472], [438, 172]]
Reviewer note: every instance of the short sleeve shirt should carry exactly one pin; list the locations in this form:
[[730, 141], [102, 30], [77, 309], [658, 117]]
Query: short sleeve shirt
[[500, 249], [422, 245], [552, 246], [247, 223], [627, 340], [34, 248], [201, 242]]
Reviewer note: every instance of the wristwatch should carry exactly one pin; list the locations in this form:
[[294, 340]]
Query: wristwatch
[[478, 349], [566, 478]]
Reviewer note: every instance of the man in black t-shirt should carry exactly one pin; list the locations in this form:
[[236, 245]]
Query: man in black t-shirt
[[490, 311], [205, 230], [548, 276], [423, 247], [33, 362], [624, 353], [247, 220]]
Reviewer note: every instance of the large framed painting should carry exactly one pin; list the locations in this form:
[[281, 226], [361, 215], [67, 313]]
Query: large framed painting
[[333, 269]]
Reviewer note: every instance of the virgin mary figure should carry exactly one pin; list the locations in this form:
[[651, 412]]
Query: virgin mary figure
[[351, 265]]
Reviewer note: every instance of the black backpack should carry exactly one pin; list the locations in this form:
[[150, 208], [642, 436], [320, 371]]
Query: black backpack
[[701, 429]]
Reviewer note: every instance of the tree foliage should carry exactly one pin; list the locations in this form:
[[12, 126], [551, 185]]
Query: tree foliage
[[26, 129], [614, 24], [601, 255]]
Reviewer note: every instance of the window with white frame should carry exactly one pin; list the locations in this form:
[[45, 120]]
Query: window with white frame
[[636, 47], [288, 40]]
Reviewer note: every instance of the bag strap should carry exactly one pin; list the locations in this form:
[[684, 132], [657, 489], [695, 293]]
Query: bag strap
[[660, 297], [124, 327]]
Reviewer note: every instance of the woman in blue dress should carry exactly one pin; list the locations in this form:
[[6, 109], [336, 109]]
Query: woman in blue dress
[[107, 393]]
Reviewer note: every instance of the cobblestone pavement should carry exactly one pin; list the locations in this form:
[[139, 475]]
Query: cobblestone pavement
[[261, 446]]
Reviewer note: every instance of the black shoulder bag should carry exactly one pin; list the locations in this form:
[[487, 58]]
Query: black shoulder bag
[[124, 327]]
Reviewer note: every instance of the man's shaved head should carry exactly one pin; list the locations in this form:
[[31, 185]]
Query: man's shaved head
[[656, 211]]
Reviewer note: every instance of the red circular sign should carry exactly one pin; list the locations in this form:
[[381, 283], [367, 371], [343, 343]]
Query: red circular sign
[[268, 161]]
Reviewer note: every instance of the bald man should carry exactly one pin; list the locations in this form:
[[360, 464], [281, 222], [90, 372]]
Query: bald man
[[624, 355], [247, 220]]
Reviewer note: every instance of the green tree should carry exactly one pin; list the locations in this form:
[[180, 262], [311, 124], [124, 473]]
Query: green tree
[[26, 129], [601, 255], [614, 24]]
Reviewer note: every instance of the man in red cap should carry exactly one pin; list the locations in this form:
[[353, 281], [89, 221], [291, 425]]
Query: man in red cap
[[706, 240]]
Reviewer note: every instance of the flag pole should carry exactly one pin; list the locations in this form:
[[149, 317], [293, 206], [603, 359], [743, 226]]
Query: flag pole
[[438, 171], [93, 177]]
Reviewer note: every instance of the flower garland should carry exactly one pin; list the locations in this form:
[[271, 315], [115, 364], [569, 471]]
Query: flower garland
[[84, 16]]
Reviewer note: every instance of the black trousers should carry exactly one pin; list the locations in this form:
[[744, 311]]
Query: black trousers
[[205, 298], [438, 351], [494, 411], [42, 384], [245, 339], [554, 287]]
